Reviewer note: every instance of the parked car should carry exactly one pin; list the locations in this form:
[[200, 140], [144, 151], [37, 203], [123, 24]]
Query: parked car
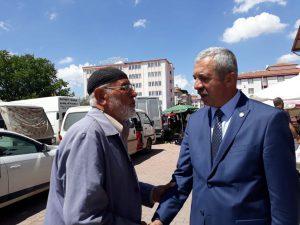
[[152, 106], [148, 130], [141, 132], [25, 167]]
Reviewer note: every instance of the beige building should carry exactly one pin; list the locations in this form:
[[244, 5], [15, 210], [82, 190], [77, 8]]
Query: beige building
[[252, 82], [153, 78]]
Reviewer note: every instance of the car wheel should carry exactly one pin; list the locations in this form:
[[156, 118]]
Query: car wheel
[[149, 145]]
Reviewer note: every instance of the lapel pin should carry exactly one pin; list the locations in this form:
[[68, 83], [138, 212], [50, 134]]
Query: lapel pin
[[241, 114]]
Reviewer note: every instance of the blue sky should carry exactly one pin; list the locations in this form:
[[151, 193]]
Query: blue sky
[[72, 33]]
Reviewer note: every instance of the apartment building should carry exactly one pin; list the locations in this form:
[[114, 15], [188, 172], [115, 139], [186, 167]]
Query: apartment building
[[150, 78], [252, 82]]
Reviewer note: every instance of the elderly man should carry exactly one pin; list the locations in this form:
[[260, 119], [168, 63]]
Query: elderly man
[[93, 180], [237, 155]]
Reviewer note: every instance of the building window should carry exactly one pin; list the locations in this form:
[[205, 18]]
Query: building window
[[139, 93], [135, 76], [264, 82], [250, 81], [250, 91], [154, 93], [280, 78], [238, 82], [154, 64], [154, 83], [138, 85], [154, 74], [134, 67]]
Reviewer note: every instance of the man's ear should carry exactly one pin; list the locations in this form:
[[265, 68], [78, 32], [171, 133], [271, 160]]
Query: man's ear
[[100, 96], [230, 79]]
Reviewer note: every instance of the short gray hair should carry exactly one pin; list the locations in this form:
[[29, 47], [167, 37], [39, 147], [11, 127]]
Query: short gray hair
[[92, 98], [225, 61]]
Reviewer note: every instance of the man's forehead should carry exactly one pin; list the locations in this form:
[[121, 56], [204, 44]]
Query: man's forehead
[[200, 65]]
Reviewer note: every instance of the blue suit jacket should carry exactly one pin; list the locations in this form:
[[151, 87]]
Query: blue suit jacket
[[253, 178]]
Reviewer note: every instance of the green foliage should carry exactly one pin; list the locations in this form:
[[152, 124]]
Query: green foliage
[[23, 77]]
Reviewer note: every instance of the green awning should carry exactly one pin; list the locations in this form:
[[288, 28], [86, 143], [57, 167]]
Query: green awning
[[180, 109]]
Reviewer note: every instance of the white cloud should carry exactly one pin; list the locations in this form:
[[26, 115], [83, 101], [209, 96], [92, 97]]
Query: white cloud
[[251, 27], [242, 6], [293, 34], [13, 53], [288, 58], [136, 2], [52, 16], [4, 26], [72, 74], [140, 23], [66, 60], [180, 81], [183, 83]]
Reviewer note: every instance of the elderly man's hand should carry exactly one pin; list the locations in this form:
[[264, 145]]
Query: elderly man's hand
[[156, 222], [160, 190]]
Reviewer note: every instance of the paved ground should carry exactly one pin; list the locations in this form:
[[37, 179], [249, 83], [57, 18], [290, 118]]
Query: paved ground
[[154, 167], [158, 170]]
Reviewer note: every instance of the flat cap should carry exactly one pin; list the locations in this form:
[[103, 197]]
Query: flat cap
[[104, 76]]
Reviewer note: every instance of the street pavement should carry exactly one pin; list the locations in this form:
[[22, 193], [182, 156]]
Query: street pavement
[[153, 167], [158, 170]]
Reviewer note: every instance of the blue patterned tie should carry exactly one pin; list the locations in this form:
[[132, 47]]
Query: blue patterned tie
[[217, 134]]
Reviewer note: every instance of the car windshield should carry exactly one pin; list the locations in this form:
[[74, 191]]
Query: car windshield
[[73, 118]]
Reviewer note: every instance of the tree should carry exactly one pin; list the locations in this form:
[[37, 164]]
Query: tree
[[23, 77]]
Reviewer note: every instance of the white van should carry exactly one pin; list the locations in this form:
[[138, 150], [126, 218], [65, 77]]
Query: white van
[[141, 132], [148, 130], [28, 120], [55, 108]]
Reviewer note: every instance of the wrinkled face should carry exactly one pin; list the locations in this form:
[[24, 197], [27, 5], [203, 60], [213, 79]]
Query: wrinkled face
[[121, 102], [208, 84]]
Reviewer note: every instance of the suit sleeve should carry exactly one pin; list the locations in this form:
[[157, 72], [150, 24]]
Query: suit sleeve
[[177, 195], [280, 171], [146, 194], [86, 201]]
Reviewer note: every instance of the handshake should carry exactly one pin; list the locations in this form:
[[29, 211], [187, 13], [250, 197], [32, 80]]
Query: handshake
[[157, 194]]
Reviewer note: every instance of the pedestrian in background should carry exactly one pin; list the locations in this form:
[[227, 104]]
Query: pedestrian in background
[[278, 103]]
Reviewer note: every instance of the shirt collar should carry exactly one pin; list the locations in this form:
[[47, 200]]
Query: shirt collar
[[109, 125], [228, 108], [115, 123]]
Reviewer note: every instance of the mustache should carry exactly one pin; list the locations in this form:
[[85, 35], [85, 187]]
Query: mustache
[[202, 92]]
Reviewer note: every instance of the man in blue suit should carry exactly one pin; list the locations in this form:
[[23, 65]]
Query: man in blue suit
[[237, 155]]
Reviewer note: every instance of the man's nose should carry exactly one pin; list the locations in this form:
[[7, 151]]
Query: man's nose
[[198, 84], [133, 93]]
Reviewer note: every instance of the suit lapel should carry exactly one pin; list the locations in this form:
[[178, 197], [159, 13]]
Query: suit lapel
[[237, 119], [201, 139], [206, 133]]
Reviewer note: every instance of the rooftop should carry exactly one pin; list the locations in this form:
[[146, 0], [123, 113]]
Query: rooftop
[[280, 69], [296, 45], [125, 63]]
